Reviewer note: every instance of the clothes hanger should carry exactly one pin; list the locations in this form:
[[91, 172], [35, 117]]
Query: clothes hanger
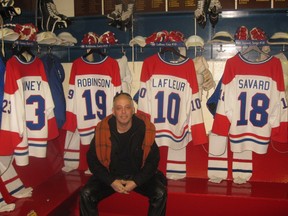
[[254, 48], [173, 50], [91, 51], [24, 49], [22, 53]]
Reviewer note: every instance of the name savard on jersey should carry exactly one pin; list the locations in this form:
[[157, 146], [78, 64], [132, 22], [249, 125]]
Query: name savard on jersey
[[253, 84]]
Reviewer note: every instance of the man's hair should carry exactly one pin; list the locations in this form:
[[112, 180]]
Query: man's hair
[[122, 93]]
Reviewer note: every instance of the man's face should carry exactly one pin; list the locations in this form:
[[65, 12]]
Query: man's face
[[123, 109]]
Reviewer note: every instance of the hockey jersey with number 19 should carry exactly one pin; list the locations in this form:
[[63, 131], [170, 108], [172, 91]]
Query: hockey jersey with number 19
[[92, 86], [28, 120], [252, 109]]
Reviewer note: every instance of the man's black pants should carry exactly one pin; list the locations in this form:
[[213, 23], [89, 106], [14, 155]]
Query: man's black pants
[[155, 189]]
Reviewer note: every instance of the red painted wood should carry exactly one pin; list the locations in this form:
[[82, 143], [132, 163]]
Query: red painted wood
[[201, 197], [50, 194], [56, 193]]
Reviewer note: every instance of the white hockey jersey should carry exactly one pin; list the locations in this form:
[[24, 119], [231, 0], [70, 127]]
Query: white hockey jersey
[[169, 95], [252, 108], [28, 120], [92, 86]]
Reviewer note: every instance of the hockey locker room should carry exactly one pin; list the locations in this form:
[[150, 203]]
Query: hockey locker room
[[211, 75]]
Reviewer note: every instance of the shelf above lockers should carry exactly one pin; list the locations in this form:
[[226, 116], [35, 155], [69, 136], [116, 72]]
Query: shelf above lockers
[[270, 20]]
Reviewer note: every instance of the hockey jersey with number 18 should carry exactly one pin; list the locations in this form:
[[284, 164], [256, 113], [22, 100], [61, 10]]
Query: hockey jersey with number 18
[[28, 120], [92, 86], [252, 109], [169, 95]]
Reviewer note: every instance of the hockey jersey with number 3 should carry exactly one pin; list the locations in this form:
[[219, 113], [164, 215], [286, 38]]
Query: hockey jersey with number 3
[[252, 109], [28, 120]]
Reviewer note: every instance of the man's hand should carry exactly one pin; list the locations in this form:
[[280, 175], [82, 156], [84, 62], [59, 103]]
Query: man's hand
[[118, 186], [123, 186], [129, 185]]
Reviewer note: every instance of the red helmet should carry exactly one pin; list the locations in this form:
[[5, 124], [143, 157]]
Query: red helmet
[[161, 36], [241, 33], [27, 31], [90, 38], [108, 38], [257, 34], [176, 36]]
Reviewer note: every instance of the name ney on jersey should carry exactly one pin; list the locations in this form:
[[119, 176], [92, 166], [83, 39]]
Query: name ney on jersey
[[253, 84], [168, 83], [32, 85], [100, 82]]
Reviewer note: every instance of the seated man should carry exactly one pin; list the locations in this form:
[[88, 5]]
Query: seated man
[[124, 157]]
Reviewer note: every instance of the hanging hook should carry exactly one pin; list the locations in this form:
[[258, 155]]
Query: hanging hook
[[14, 45], [221, 48], [201, 50], [283, 48], [38, 49], [123, 51]]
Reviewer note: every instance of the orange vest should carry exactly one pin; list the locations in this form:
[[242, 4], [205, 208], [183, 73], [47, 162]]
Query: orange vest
[[103, 142]]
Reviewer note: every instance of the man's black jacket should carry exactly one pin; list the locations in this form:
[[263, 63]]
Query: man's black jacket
[[140, 175]]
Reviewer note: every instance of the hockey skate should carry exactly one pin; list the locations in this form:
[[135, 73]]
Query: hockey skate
[[214, 9], [115, 16], [10, 12], [7, 3], [201, 12], [126, 18], [51, 19]]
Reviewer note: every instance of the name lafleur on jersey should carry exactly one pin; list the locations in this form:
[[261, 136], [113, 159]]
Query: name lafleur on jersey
[[32, 85], [168, 83]]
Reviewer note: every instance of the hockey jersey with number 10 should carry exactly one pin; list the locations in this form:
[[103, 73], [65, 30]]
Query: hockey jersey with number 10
[[28, 120], [169, 95], [252, 109]]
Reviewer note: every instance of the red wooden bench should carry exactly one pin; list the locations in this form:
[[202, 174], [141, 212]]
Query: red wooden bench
[[57, 193]]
